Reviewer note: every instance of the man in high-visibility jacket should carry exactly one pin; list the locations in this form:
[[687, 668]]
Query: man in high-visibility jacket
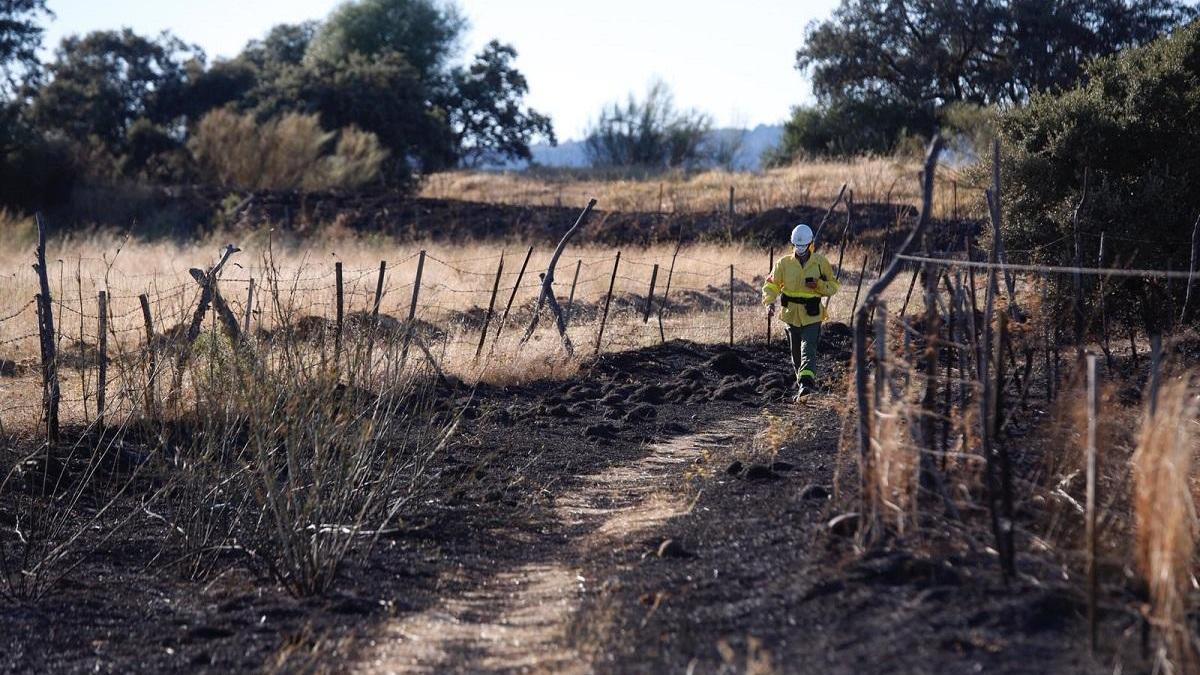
[[800, 281]]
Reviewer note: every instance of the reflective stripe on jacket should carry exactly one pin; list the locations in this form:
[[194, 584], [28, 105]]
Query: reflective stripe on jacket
[[789, 277]]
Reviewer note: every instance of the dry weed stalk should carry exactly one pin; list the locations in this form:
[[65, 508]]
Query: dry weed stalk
[[893, 466], [1165, 513]]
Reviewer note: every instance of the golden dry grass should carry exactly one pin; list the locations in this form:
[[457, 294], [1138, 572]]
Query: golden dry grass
[[455, 292], [1166, 525], [873, 179]]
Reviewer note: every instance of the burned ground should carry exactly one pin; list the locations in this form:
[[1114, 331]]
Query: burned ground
[[749, 573]]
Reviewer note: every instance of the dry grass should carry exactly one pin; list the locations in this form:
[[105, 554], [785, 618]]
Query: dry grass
[[1165, 512], [812, 183]]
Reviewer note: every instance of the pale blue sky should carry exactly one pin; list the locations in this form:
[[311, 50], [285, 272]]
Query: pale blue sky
[[733, 60]]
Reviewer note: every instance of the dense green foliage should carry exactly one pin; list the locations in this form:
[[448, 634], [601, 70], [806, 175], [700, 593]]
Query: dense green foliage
[[884, 68], [1132, 129], [115, 105]]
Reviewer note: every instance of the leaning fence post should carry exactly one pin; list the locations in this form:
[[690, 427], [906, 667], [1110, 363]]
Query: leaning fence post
[[151, 355], [412, 309], [374, 323], [607, 299], [571, 298], [513, 295], [1093, 406], [102, 355], [341, 312], [51, 393], [650, 295], [249, 311], [662, 304], [730, 305], [487, 319], [862, 273]]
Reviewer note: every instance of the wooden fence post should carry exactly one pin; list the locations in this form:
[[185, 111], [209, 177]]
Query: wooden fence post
[[487, 319], [1008, 553], [152, 358], [249, 311], [862, 273], [911, 285], [51, 392], [101, 356], [662, 304], [607, 299], [650, 295], [411, 324], [571, 298], [880, 354], [1155, 370], [374, 323], [1093, 406], [730, 305], [729, 228], [513, 295], [341, 312]]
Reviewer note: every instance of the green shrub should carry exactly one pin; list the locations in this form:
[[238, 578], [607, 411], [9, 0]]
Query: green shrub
[[1132, 128]]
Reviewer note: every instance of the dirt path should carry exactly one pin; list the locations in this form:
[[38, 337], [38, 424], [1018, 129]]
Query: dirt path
[[517, 619]]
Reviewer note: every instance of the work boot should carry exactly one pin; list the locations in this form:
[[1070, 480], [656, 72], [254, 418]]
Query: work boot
[[807, 386]]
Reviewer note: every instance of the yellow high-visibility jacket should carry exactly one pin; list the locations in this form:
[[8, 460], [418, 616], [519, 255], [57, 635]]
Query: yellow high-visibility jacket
[[788, 280]]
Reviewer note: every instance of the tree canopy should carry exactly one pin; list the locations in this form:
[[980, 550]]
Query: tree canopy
[[375, 71], [912, 58], [1131, 130], [20, 37]]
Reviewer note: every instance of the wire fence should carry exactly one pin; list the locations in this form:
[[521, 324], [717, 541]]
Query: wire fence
[[459, 307]]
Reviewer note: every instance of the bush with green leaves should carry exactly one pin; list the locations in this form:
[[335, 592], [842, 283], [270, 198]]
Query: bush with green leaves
[[1132, 130], [651, 133]]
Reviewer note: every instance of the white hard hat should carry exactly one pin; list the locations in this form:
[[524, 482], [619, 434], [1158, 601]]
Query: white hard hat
[[802, 236]]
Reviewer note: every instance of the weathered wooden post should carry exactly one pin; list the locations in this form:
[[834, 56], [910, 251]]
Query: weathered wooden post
[[880, 354], [571, 297], [487, 319], [51, 392], [662, 305], [650, 295], [151, 358], [1187, 296], [249, 311], [607, 299], [101, 356], [546, 294], [513, 295], [340, 320], [372, 328], [862, 273], [411, 323], [1093, 406]]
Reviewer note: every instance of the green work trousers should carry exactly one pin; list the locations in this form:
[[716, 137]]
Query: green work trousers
[[803, 342]]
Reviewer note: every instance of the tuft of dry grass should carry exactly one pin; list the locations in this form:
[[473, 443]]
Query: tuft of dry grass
[[1166, 524]]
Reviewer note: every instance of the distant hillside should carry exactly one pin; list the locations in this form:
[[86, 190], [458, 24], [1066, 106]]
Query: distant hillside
[[755, 142]]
